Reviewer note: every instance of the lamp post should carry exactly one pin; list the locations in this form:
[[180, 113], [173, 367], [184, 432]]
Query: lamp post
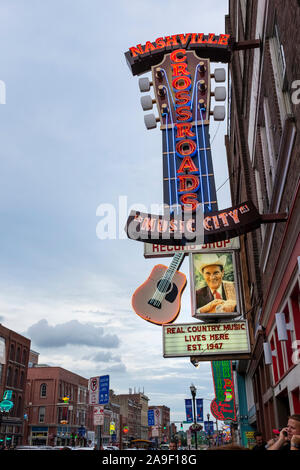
[[193, 392]]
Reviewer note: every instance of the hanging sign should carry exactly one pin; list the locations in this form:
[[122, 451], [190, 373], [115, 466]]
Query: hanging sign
[[190, 229], [141, 58], [161, 251], [206, 341], [223, 405], [199, 408], [189, 410]]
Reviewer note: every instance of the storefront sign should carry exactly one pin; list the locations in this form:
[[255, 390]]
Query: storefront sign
[[223, 406], [161, 251], [217, 226], [206, 340]]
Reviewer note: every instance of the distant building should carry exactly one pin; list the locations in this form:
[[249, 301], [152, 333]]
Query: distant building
[[133, 416], [161, 431], [14, 354], [56, 406]]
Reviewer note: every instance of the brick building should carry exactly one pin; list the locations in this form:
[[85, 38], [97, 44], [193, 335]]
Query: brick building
[[14, 354], [50, 419], [262, 142], [133, 415], [161, 432]]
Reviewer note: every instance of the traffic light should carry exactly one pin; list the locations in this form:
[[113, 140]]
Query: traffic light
[[181, 425]]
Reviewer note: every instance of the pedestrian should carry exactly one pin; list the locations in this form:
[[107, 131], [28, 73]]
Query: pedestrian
[[173, 445], [289, 437], [275, 437], [260, 442]]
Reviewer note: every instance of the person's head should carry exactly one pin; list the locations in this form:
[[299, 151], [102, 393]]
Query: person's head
[[293, 426], [173, 445], [258, 438], [213, 275]]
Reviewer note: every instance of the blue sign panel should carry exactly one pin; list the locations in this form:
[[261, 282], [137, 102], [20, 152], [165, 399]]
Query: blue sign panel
[[199, 404], [209, 427], [151, 419], [189, 410], [104, 390]]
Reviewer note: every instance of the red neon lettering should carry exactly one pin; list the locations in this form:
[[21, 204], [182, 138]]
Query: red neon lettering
[[187, 164], [184, 38], [179, 69], [211, 39], [181, 83], [184, 130], [184, 181], [149, 47], [189, 201], [160, 43], [182, 97], [174, 56], [135, 51], [171, 40], [223, 39], [201, 40], [186, 147], [183, 113]]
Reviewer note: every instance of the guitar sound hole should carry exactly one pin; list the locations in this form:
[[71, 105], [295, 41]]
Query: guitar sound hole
[[164, 286]]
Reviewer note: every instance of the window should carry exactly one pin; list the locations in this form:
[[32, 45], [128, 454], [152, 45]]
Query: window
[[42, 411], [43, 391], [280, 75]]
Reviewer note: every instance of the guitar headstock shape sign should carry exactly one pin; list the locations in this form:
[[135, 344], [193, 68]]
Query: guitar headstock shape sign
[[182, 89]]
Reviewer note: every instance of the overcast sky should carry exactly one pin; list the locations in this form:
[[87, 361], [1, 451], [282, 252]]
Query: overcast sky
[[73, 138]]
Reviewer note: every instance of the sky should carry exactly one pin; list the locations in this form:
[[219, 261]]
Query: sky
[[74, 147]]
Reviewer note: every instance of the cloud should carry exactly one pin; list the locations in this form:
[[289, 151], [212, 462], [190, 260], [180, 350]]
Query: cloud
[[72, 333], [103, 356]]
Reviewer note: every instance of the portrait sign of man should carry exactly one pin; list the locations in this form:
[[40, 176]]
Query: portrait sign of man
[[214, 294]]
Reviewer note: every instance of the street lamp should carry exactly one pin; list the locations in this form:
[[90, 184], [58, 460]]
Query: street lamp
[[193, 392]]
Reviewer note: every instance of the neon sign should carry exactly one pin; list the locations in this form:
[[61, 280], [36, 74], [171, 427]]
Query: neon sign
[[141, 58]]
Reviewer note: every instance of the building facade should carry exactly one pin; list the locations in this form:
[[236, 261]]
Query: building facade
[[133, 416], [262, 143], [161, 431], [14, 355], [57, 407]]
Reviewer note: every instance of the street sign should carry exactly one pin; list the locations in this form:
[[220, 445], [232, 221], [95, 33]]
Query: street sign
[[104, 390], [151, 418], [98, 413], [94, 391], [99, 390]]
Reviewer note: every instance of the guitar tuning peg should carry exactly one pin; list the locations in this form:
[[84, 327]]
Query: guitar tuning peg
[[219, 75], [150, 121], [202, 86], [202, 105], [164, 109], [219, 93], [159, 73], [145, 84], [161, 90], [202, 67], [147, 102], [218, 113]]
